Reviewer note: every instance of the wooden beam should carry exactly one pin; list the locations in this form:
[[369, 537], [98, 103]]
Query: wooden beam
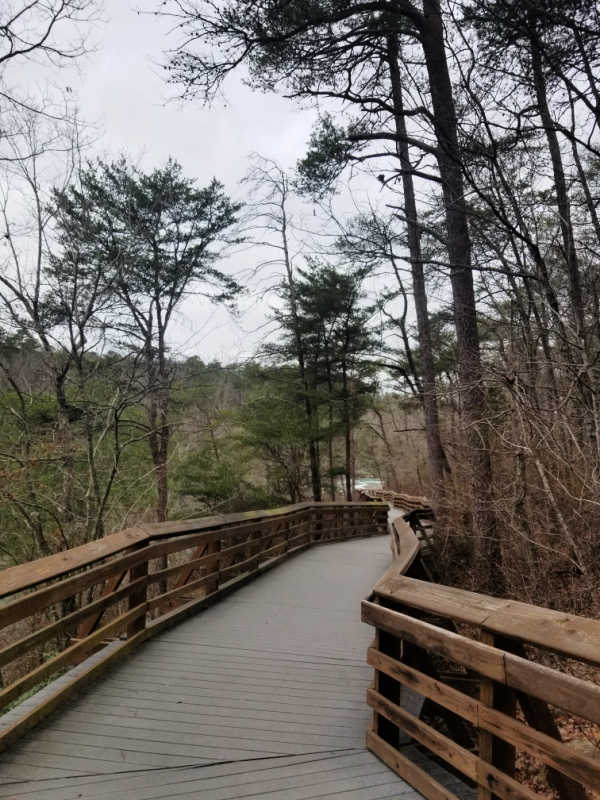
[[572, 694], [48, 668], [575, 636], [407, 770], [23, 645]]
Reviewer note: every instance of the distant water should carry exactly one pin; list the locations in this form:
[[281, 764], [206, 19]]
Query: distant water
[[368, 483]]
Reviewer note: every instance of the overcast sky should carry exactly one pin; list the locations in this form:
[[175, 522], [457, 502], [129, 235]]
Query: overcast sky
[[121, 88]]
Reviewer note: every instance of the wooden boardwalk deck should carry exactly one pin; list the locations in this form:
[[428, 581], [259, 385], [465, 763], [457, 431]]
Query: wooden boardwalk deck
[[261, 695]]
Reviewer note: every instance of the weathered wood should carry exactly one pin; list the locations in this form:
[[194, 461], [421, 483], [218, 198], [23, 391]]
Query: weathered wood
[[138, 598], [404, 767], [540, 717], [89, 624], [574, 636], [26, 576], [571, 694], [579, 767], [28, 721], [43, 598], [481, 657], [484, 774], [441, 745], [492, 721], [485, 738], [39, 674], [435, 690], [23, 645]]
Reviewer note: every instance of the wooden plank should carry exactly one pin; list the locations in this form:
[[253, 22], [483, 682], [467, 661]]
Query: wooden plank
[[483, 774], [24, 644], [89, 624], [481, 657], [43, 598], [446, 696], [39, 674], [443, 601], [26, 576], [407, 770], [571, 694], [445, 748], [163, 600], [138, 598], [540, 717], [189, 608], [575, 636], [501, 785], [185, 569], [579, 767]]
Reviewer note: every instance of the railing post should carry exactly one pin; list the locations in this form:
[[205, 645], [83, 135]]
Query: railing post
[[495, 751], [215, 548], [389, 645], [139, 596], [256, 539]]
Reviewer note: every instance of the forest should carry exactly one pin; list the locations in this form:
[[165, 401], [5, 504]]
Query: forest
[[428, 270]]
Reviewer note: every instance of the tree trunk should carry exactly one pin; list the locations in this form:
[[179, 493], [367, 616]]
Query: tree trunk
[[461, 277], [347, 433], [438, 463]]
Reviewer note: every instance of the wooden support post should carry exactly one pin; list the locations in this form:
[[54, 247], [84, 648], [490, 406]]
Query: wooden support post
[[486, 740], [138, 597], [389, 688], [539, 716], [214, 547], [256, 546], [495, 751]]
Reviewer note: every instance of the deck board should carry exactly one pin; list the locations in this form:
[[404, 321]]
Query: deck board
[[271, 680]]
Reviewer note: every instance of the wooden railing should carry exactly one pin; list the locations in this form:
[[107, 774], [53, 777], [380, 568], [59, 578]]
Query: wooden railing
[[108, 596], [489, 671], [405, 502]]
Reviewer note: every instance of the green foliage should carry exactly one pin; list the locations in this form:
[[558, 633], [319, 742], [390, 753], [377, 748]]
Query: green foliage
[[210, 479], [331, 148], [35, 409]]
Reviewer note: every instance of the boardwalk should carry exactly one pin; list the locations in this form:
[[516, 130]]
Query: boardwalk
[[270, 683]]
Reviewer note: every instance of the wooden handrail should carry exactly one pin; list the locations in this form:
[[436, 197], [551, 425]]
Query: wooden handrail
[[32, 573], [117, 589], [488, 638]]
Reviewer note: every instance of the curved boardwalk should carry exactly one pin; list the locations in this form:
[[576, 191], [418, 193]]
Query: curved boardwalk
[[261, 695]]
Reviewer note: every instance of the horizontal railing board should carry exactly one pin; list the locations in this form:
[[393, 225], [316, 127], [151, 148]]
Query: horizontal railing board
[[26, 576], [510, 621], [575, 636], [571, 694], [461, 759], [407, 770], [33, 573], [552, 752], [23, 645], [65, 657]]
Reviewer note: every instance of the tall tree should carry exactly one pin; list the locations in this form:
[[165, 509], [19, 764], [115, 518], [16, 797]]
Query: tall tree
[[272, 220], [318, 49], [157, 237]]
